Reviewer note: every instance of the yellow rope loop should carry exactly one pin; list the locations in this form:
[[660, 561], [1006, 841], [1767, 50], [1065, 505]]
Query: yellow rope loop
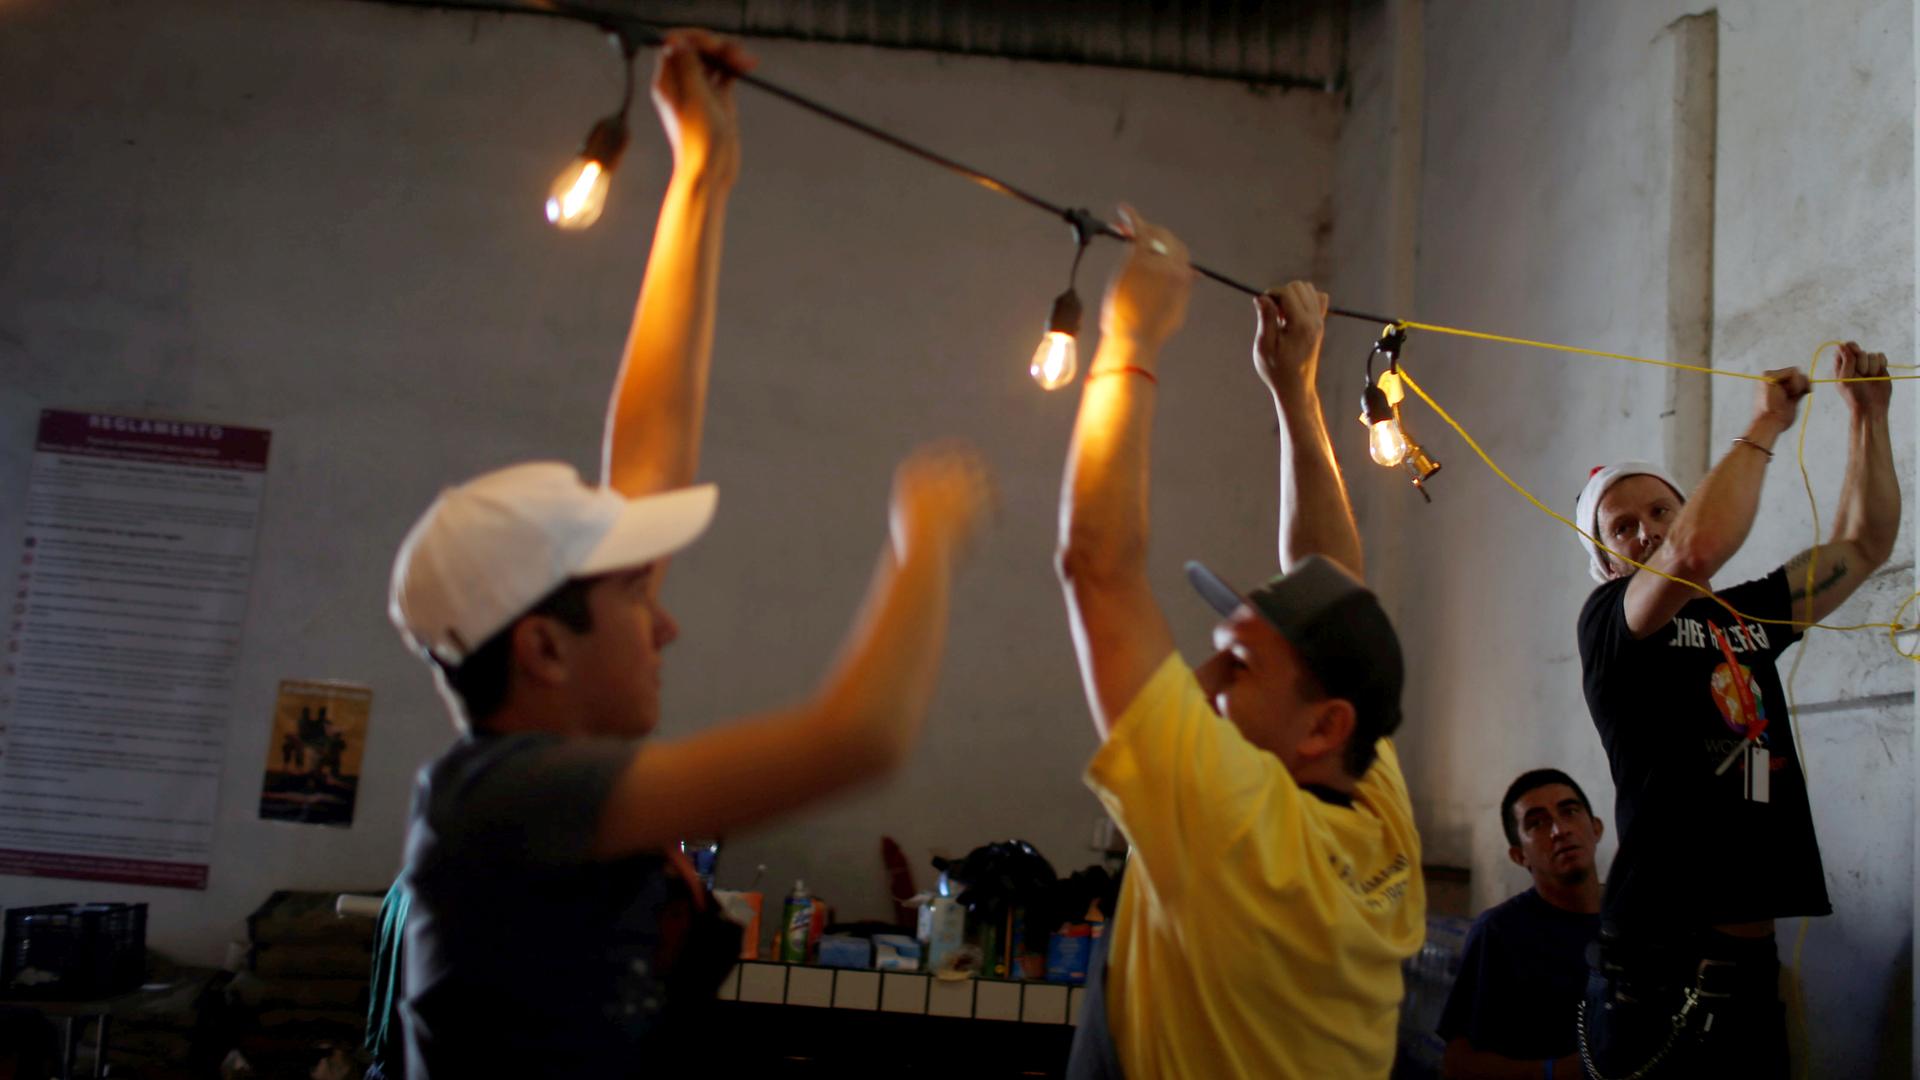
[[1487, 458]]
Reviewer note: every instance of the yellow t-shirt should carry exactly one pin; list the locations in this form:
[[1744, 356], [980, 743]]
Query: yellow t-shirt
[[1260, 929]]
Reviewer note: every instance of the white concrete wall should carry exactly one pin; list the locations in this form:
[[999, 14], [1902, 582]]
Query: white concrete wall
[[1544, 200], [322, 218]]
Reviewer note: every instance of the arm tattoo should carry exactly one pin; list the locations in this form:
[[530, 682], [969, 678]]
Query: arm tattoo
[[1796, 576]]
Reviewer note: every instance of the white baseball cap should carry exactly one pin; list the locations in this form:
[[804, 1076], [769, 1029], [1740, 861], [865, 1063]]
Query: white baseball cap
[[493, 547]]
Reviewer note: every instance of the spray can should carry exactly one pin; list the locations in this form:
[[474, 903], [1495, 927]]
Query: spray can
[[796, 924]]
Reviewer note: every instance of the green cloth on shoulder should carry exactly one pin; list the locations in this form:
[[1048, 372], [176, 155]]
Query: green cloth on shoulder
[[384, 1039]]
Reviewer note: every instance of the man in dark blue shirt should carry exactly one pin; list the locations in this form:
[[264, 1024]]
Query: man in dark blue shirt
[[1511, 1013]]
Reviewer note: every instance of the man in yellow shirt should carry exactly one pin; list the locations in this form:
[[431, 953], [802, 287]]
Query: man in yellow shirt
[[1274, 885]]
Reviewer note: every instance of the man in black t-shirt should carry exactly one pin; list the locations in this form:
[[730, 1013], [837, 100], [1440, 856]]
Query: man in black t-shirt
[[1717, 839], [1524, 969]]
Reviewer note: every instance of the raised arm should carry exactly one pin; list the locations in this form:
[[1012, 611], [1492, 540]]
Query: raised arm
[[652, 440], [866, 714], [1316, 517], [1868, 519], [1119, 632], [1714, 523]]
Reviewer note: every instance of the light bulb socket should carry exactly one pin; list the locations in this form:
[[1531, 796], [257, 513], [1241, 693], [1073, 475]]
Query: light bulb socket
[[1084, 225], [606, 142], [1392, 336], [1420, 463], [1374, 407], [1391, 339], [1065, 318]]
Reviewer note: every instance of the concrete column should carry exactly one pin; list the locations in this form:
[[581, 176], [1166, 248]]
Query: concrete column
[[1688, 427]]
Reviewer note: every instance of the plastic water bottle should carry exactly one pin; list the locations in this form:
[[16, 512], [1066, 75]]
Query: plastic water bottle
[[796, 924]]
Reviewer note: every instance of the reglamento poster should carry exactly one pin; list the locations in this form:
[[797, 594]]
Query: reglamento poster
[[128, 596]]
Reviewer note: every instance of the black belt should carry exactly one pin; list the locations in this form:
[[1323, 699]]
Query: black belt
[[1686, 976], [1716, 966]]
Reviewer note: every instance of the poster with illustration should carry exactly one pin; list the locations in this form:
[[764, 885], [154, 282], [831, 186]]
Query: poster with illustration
[[313, 752]]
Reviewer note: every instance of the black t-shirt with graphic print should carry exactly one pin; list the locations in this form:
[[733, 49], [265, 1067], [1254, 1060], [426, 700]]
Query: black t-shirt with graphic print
[[1694, 851]]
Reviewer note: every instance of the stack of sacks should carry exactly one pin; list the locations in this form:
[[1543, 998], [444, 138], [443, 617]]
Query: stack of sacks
[[303, 986]]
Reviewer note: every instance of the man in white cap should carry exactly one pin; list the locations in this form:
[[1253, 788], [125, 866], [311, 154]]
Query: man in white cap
[[1687, 699], [554, 929], [1273, 888]]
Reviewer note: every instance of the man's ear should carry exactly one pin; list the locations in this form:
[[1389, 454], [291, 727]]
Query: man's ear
[[1333, 724], [1599, 829], [1519, 857], [1211, 675], [541, 650]]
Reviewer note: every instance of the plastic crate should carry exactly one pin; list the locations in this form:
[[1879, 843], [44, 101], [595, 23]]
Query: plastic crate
[[74, 951]]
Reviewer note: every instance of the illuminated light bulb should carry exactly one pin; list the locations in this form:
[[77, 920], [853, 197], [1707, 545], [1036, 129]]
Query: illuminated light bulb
[[1057, 360], [1387, 444], [1385, 441], [579, 194]]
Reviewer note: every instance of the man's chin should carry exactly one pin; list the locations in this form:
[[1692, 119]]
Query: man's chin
[[1575, 875]]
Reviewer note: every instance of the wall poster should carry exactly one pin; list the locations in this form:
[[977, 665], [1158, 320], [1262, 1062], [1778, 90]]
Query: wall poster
[[313, 753], [125, 608]]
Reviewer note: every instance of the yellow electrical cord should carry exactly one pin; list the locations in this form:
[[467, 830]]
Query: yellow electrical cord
[[1892, 628], [1454, 331], [1414, 386]]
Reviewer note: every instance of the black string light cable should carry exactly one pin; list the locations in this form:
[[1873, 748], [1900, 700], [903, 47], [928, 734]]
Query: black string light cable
[[634, 33], [609, 137], [1080, 219]]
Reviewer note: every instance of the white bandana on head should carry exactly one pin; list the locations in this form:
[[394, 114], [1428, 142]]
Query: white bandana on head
[[1587, 512]]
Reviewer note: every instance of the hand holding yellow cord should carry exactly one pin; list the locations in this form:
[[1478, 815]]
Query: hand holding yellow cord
[[1871, 397], [1777, 400]]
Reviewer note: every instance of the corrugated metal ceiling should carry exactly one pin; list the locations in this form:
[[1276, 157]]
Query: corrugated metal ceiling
[[1289, 43]]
